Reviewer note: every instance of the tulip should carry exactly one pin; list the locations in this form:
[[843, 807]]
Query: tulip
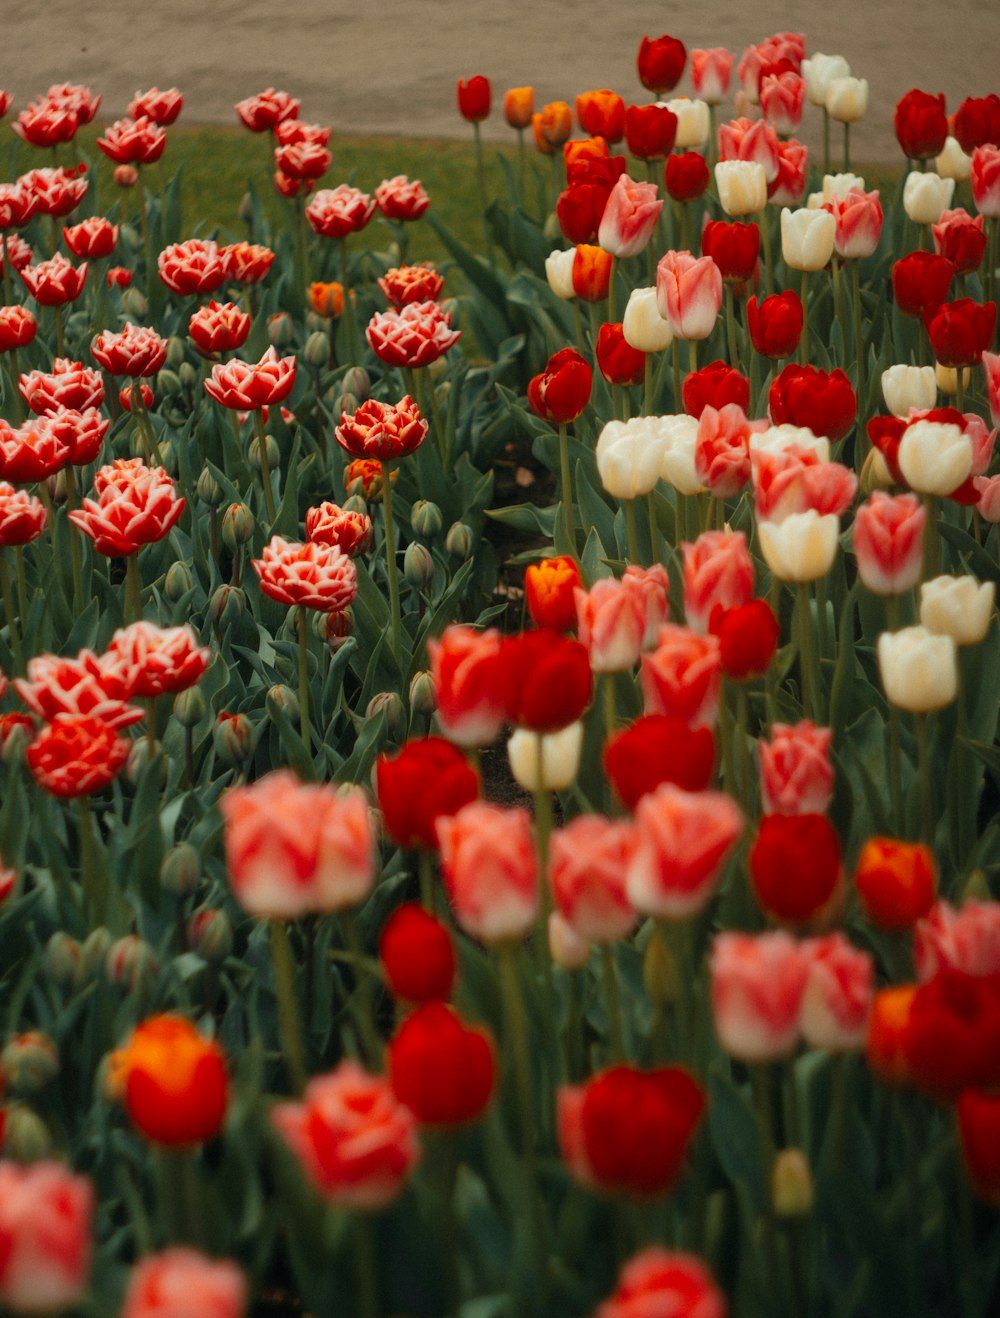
[[680, 434], [781, 439], [984, 175], [692, 123], [489, 868], [934, 457], [920, 124], [796, 773], [847, 99], [710, 74], [688, 294], [611, 620], [417, 955], [960, 332], [961, 239], [722, 451], [920, 282], [643, 326], [559, 272], [552, 125], [587, 860], [629, 456], [775, 324], [660, 63], [617, 360], [428, 780], [658, 1281], [959, 607], [545, 763], [519, 106], [896, 883], [474, 98], [789, 188], [174, 1082], [888, 534], [716, 385], [734, 249], [681, 676], [967, 939], [545, 679], [45, 1237], [742, 186], [416, 335], [748, 639], [977, 122], [906, 387], [263, 113], [795, 868], [686, 176], [953, 163], [802, 547], [180, 1279], [926, 195], [656, 749], [858, 217], [629, 218], [601, 113], [823, 402], [781, 100], [952, 1040], [401, 199], [464, 667], [919, 670], [757, 983], [650, 131], [837, 1000], [979, 1135], [680, 844], [819, 71], [807, 238], [561, 392], [549, 589], [444, 1071]]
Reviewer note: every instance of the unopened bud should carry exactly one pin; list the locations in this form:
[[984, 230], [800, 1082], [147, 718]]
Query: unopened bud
[[126, 176], [280, 329], [25, 1135], [354, 503], [167, 456], [357, 381], [659, 973], [245, 209], [142, 754], [238, 526], [95, 949], [283, 698], [135, 304], [210, 934], [317, 349], [227, 605], [64, 959], [189, 707], [29, 1061], [178, 580], [389, 702], [418, 566], [176, 352], [458, 541], [180, 869], [423, 699], [346, 403], [875, 475], [337, 627], [208, 489], [131, 963], [273, 452], [791, 1184], [234, 739], [168, 382], [16, 732], [425, 518], [188, 374]]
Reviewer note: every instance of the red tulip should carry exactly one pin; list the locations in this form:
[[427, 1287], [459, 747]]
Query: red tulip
[[795, 867], [656, 1281], [351, 531], [415, 336], [91, 239], [562, 391], [921, 124], [658, 749], [401, 199], [821, 401], [979, 1135], [136, 506], [650, 131], [952, 1039], [546, 680], [733, 247], [660, 63], [579, 209], [748, 638], [246, 386], [405, 284], [76, 754], [136, 351], [428, 780], [601, 114], [382, 430], [417, 955], [465, 670], [961, 238], [960, 332], [977, 122], [443, 1070], [618, 362], [896, 882], [161, 108], [716, 385], [18, 327], [337, 212], [920, 282], [263, 113], [133, 142], [474, 98], [775, 324], [193, 267], [686, 176], [218, 328], [549, 588], [54, 282]]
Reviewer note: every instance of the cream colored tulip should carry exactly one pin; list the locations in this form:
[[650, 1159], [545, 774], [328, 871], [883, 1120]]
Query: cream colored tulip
[[742, 186], [959, 607], [946, 378], [776, 439], [847, 99], [692, 122], [677, 468], [919, 670], [568, 950], [953, 162], [934, 457], [559, 273], [642, 325], [807, 238], [551, 766], [925, 196], [629, 457], [802, 547], [819, 72], [904, 387]]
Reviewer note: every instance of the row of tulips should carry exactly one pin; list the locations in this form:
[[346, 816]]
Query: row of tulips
[[720, 1014]]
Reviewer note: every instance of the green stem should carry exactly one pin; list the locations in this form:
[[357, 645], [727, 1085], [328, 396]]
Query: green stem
[[804, 341], [895, 771], [265, 466], [12, 620], [806, 653], [481, 176], [765, 235], [847, 148], [518, 1042], [366, 1266], [426, 873], [566, 482], [74, 541], [392, 569], [632, 531], [932, 539], [93, 877], [60, 333], [610, 707], [675, 353], [654, 532], [22, 588], [859, 343], [288, 1008], [366, 1006], [731, 327], [647, 384], [304, 678], [692, 356], [616, 1028], [826, 140], [133, 588], [926, 769], [611, 293]]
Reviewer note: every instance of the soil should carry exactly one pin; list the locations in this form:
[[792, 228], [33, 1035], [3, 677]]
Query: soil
[[391, 67]]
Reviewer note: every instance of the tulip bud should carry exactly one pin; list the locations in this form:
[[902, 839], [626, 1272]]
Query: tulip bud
[[548, 763], [643, 326], [126, 176], [919, 670], [337, 627], [425, 519], [358, 382], [189, 707], [180, 869], [208, 489], [791, 1184], [233, 738], [29, 1061], [390, 703], [280, 329], [946, 378], [227, 605], [659, 973], [134, 304], [25, 1135], [283, 698], [168, 382], [875, 475], [176, 352], [15, 741], [273, 452], [807, 238], [559, 273], [551, 230], [143, 754], [238, 526], [210, 934], [131, 963], [959, 607], [346, 402], [95, 949], [904, 387], [166, 455], [422, 695], [354, 503], [188, 375], [317, 349], [458, 541], [178, 580], [953, 163], [742, 186], [245, 209], [568, 950], [64, 959], [418, 566], [925, 196]]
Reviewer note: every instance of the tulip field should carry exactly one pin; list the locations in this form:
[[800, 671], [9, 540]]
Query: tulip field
[[499, 764]]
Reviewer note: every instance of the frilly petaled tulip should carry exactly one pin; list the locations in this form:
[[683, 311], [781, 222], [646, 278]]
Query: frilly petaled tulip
[[627, 1131], [847, 99], [693, 122], [161, 107], [926, 195], [192, 268], [247, 386], [246, 263], [401, 199], [545, 763], [629, 456], [934, 457], [262, 113], [22, 516], [896, 883], [180, 1279], [920, 124], [629, 217], [157, 659], [136, 505], [56, 191], [688, 294], [33, 451], [76, 754], [337, 212], [464, 668], [807, 238], [417, 335], [218, 328], [68, 385], [959, 607], [91, 239], [671, 1283], [919, 670], [819, 71], [405, 284], [888, 542], [718, 573], [742, 186], [489, 869], [681, 677], [84, 685], [859, 218], [796, 774], [758, 983], [384, 431], [838, 995], [710, 73], [138, 350], [643, 326], [309, 575], [133, 142], [559, 272], [18, 327], [45, 1237], [302, 161], [54, 282], [587, 863], [442, 1069], [680, 843], [356, 1142], [660, 63], [549, 588], [680, 434]]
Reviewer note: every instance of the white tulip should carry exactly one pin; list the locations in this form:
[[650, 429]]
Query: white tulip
[[919, 670], [807, 238], [819, 72], [934, 457], [802, 547], [904, 387], [959, 607], [642, 325], [925, 196], [742, 186], [556, 766], [559, 273]]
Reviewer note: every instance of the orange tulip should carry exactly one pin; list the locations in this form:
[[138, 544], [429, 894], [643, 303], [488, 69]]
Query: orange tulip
[[327, 300], [556, 123], [601, 113], [896, 882], [549, 587], [518, 106], [540, 142], [173, 1080], [592, 272], [888, 1025]]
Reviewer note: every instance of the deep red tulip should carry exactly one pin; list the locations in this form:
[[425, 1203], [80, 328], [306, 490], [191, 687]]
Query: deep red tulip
[[962, 239], [822, 401], [417, 955], [474, 98], [546, 680], [775, 324], [921, 282], [977, 122], [660, 63], [921, 124], [952, 1039], [428, 780], [960, 332], [650, 131], [686, 176], [601, 114], [748, 638], [617, 360], [733, 247], [562, 391], [795, 867], [579, 209], [715, 386], [443, 1070], [658, 749]]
